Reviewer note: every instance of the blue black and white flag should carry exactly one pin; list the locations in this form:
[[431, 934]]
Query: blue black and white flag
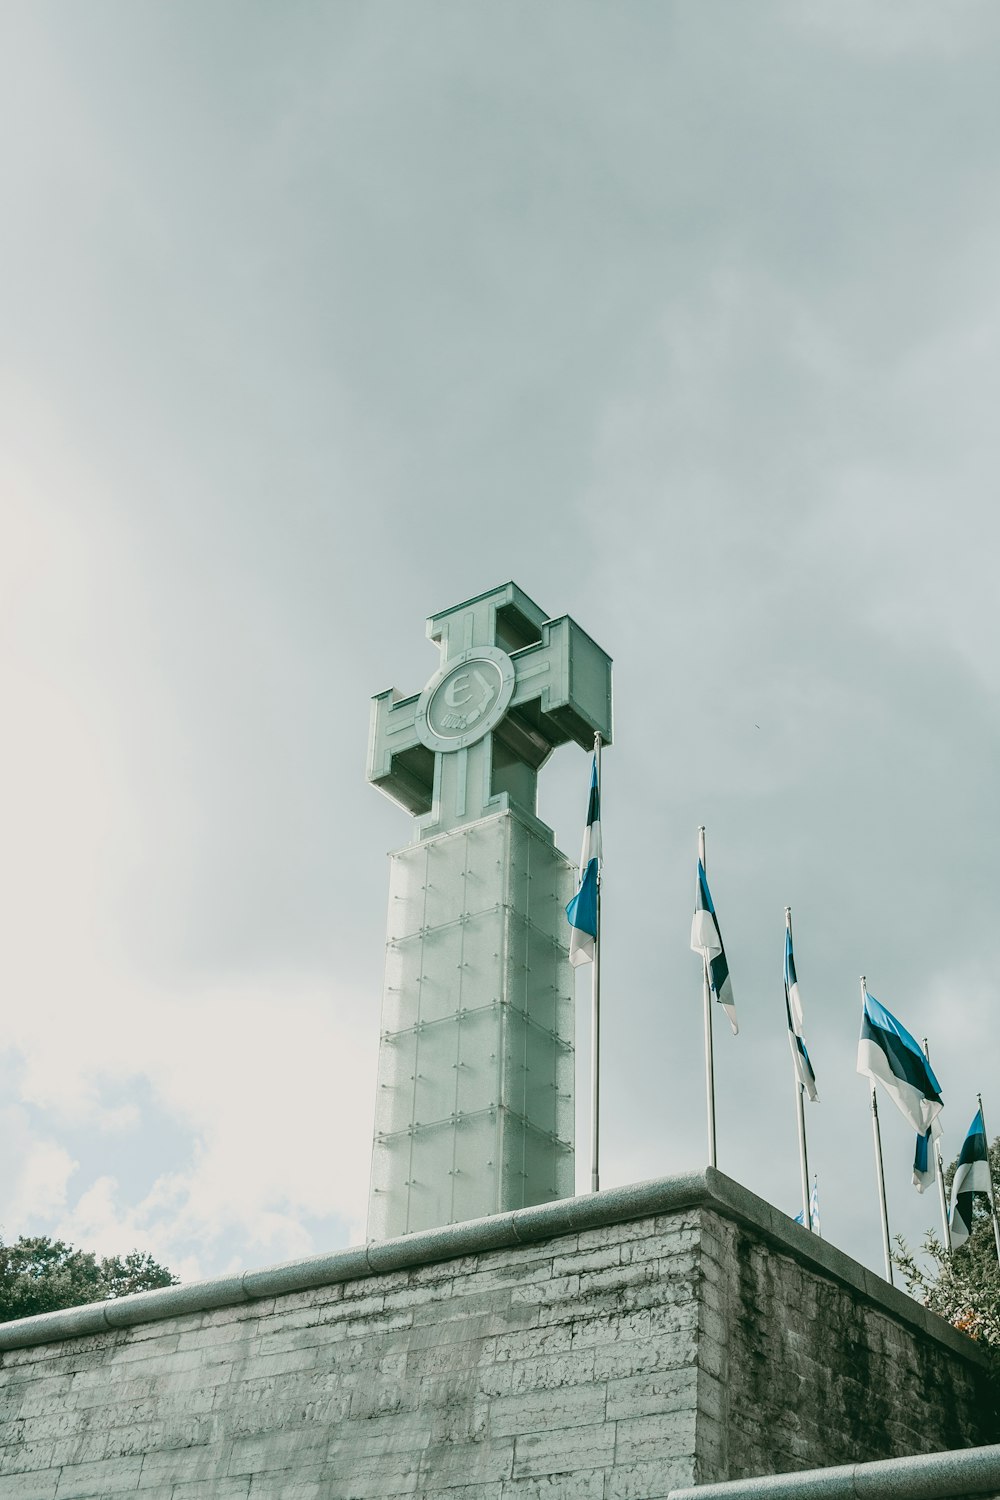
[[887, 1052], [972, 1176], [793, 1010], [706, 939], [814, 1208], [925, 1156], [924, 1161], [582, 910]]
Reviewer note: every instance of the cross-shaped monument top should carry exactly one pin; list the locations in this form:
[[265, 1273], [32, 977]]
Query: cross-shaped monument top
[[511, 686]]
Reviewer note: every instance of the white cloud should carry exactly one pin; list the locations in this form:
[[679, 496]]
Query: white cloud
[[274, 1085], [40, 1180]]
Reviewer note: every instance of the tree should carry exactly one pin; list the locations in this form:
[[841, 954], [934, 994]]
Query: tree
[[963, 1287], [39, 1275]]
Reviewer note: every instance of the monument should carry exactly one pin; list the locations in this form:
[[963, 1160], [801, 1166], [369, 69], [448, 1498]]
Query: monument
[[475, 1100]]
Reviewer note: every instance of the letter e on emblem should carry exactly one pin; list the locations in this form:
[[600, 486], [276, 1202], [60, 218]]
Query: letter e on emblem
[[458, 685]]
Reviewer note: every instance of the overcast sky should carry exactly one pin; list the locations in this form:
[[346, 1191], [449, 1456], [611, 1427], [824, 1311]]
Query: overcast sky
[[318, 318]]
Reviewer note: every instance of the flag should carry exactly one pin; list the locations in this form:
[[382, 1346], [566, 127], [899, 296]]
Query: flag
[[972, 1175], [793, 1010], [582, 910], [813, 1210], [923, 1162], [887, 1052], [706, 939], [925, 1157]]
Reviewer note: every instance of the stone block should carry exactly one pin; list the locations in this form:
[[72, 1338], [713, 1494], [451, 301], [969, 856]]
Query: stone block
[[212, 1489], [576, 1486], [187, 1465], [669, 1434], [280, 1448], [624, 1357], [21, 1457], [38, 1485], [596, 1258], [653, 1392], [540, 1411], [547, 1372], [113, 1476], [652, 1479], [446, 1464], [564, 1451]]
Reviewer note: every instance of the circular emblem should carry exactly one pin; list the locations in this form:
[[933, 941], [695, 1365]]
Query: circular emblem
[[466, 699]]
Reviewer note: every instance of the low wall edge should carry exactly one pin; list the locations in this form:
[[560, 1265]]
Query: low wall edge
[[709, 1189]]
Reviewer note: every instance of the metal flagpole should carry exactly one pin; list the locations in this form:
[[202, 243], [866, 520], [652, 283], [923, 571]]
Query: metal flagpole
[[881, 1190], [989, 1166], [800, 1108], [879, 1173], [939, 1164], [709, 1057], [595, 1012]]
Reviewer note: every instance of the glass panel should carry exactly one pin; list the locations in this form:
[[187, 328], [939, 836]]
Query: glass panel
[[440, 976], [512, 1157], [437, 1066], [390, 1170], [402, 984], [565, 1127], [514, 1060], [536, 1170], [479, 1061], [484, 885], [565, 1010], [544, 962], [542, 1162], [480, 960], [446, 862], [517, 979], [550, 893], [394, 1095], [431, 1181], [519, 872], [476, 1179], [540, 1080], [407, 879]]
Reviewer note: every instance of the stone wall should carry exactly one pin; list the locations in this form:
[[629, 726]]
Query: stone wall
[[609, 1347], [815, 1367]]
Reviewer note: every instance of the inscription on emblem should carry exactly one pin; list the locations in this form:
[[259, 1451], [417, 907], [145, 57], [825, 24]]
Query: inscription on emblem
[[461, 704], [467, 696], [464, 698]]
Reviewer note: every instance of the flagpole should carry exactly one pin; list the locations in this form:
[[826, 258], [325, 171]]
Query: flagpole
[[942, 1196], [989, 1165], [595, 1024], [879, 1173], [800, 1114], [881, 1190], [709, 1055]]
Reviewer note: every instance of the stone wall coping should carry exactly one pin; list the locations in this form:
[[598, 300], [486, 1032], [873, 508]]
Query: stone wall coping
[[924, 1476], [708, 1189]]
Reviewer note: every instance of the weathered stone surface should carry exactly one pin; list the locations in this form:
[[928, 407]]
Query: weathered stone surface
[[613, 1360]]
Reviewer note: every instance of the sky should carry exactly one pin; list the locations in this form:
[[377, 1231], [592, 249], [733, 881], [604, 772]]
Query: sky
[[316, 319]]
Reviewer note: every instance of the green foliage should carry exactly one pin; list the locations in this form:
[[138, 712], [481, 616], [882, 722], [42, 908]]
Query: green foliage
[[41, 1275], [963, 1287]]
